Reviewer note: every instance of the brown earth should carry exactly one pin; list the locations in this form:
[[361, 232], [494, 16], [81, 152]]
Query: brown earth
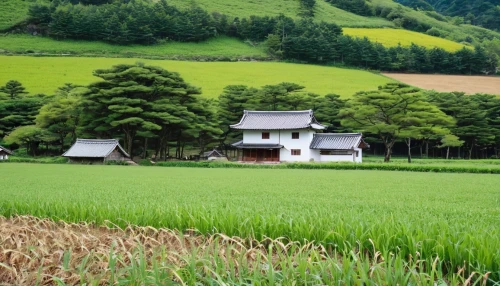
[[449, 83]]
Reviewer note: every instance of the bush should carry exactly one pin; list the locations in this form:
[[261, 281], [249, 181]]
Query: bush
[[434, 32], [41, 160]]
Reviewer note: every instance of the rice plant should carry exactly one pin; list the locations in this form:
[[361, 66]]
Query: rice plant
[[448, 218]]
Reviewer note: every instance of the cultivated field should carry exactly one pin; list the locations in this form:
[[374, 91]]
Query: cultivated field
[[393, 37], [440, 218], [45, 75], [449, 83]]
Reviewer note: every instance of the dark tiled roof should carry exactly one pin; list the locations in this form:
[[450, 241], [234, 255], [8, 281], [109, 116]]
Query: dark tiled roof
[[336, 141], [6, 150], [93, 148], [213, 153], [277, 120], [240, 145]]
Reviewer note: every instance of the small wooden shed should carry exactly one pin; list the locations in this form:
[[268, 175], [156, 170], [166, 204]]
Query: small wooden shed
[[96, 151], [213, 155], [5, 153]]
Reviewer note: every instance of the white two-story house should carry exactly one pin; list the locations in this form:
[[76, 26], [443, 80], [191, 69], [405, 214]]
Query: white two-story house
[[291, 136]]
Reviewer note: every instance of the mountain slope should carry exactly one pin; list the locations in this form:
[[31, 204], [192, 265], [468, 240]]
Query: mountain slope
[[323, 11], [484, 13]]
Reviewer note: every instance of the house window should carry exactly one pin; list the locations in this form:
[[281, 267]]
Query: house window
[[295, 152], [265, 135], [295, 135]]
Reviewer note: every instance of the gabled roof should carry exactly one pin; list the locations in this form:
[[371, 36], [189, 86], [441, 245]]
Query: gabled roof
[[6, 150], [277, 120], [337, 141], [213, 153], [94, 148]]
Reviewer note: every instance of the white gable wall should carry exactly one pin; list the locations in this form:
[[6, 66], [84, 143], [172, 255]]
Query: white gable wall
[[284, 137]]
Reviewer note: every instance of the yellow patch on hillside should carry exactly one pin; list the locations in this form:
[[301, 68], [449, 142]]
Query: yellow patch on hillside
[[393, 37]]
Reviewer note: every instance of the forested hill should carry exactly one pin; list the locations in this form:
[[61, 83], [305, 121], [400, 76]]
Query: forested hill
[[485, 13], [307, 31]]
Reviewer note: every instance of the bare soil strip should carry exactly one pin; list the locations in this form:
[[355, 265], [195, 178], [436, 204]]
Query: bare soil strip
[[450, 83]]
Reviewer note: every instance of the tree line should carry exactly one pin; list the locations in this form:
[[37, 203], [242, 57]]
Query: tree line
[[154, 112], [303, 40]]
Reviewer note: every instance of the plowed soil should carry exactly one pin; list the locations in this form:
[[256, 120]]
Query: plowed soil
[[449, 83]]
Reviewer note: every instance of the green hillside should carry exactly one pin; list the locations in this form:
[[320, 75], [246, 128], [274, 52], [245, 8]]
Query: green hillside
[[223, 47], [46, 74], [453, 31], [13, 12], [291, 8]]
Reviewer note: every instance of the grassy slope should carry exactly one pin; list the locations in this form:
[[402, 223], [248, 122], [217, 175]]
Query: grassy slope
[[245, 8], [44, 75], [455, 33], [393, 37], [12, 12], [222, 46]]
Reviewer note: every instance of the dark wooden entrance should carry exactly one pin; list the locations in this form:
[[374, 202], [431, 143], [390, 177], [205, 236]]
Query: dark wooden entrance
[[261, 155]]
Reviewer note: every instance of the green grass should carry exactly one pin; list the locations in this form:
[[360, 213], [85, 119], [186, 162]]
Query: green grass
[[393, 37], [12, 12], [451, 216], [45, 74], [291, 8], [217, 47]]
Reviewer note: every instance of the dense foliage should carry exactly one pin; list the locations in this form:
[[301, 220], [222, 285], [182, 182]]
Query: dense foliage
[[301, 40], [156, 114], [484, 13]]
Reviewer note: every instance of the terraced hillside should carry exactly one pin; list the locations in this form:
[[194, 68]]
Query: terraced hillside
[[45, 75]]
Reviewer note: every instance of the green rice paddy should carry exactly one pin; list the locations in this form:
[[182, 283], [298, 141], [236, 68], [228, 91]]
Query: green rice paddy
[[46, 74], [451, 216]]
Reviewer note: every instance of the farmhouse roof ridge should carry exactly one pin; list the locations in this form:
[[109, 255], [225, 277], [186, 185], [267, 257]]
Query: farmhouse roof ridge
[[94, 148], [337, 141], [6, 150], [277, 120]]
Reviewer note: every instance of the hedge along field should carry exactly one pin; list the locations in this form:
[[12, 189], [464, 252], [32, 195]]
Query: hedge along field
[[451, 216], [393, 37], [46, 74], [217, 47]]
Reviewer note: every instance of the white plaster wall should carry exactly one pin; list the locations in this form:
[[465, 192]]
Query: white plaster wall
[[303, 143], [359, 159], [315, 154], [255, 137]]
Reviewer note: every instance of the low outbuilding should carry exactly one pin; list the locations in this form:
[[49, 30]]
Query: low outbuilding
[[213, 155], [96, 151], [5, 153]]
